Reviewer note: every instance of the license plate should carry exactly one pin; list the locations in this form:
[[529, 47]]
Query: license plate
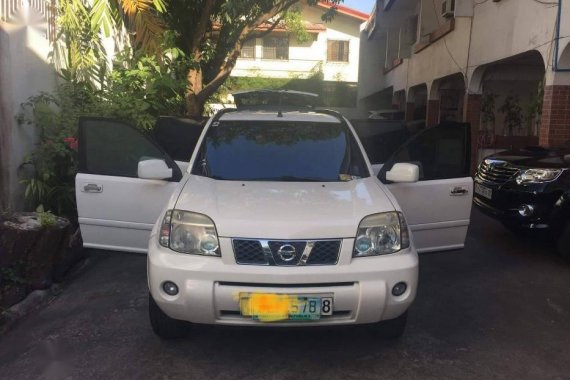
[[281, 307], [483, 191]]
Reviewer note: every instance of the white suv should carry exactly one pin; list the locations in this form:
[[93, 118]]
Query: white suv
[[280, 219]]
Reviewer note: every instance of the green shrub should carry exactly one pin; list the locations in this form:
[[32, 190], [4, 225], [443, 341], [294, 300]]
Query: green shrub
[[137, 91]]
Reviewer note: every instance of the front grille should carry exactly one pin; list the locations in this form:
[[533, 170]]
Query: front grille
[[498, 172], [249, 252], [286, 253], [324, 252]]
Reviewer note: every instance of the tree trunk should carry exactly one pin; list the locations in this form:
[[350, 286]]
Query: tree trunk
[[194, 102], [194, 106]]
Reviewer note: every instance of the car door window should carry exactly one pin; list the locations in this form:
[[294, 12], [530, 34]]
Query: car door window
[[177, 136], [442, 152], [114, 148], [380, 138]]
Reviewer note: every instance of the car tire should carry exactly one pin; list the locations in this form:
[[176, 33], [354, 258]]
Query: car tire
[[392, 328], [563, 242], [164, 326]]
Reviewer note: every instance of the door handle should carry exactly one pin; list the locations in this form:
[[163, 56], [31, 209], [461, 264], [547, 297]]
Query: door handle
[[458, 191], [92, 188]]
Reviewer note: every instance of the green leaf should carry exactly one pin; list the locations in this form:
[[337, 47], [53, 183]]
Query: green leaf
[[160, 5], [101, 17]]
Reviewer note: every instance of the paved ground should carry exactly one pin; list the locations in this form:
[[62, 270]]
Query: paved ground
[[500, 309]]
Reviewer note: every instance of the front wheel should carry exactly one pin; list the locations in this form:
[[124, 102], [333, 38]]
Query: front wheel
[[164, 326], [392, 328]]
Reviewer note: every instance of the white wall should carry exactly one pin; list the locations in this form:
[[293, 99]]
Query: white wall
[[25, 72], [513, 27], [497, 30], [371, 65], [442, 58], [307, 56]]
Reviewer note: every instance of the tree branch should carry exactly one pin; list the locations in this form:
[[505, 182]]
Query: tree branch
[[202, 26]]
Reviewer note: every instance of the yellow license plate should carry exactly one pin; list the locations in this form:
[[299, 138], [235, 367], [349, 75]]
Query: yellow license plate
[[266, 307]]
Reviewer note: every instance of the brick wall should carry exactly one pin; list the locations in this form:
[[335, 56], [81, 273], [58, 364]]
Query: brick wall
[[555, 124]]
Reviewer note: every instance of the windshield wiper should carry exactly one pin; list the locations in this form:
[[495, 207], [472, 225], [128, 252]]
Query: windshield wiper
[[286, 178], [289, 178]]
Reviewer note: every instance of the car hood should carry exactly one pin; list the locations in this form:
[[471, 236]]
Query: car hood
[[284, 210], [535, 158]]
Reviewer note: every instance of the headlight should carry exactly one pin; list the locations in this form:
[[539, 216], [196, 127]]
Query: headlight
[[381, 234], [189, 232], [537, 175]]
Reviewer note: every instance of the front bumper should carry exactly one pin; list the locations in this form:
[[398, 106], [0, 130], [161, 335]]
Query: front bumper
[[506, 202], [209, 287]]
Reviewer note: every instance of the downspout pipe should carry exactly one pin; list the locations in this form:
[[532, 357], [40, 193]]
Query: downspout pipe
[[556, 68]]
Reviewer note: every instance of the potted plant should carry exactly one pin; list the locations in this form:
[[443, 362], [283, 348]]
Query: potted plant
[[29, 242], [12, 285], [513, 112]]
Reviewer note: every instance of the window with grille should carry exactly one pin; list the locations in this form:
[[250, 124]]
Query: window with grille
[[248, 49], [276, 47], [337, 51]]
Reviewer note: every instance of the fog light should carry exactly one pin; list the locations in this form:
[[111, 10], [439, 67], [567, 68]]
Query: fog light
[[526, 210], [399, 289], [170, 288]]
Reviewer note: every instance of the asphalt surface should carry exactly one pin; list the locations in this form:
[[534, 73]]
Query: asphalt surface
[[500, 309]]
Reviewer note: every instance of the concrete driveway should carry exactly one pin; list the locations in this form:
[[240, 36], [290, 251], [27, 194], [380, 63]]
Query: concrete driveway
[[500, 309]]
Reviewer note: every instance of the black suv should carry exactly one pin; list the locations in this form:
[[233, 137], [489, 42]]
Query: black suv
[[528, 189]]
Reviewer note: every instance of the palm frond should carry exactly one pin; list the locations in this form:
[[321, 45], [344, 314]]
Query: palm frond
[[103, 16]]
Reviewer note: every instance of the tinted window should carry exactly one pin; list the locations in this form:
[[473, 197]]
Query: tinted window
[[380, 138], [442, 152], [113, 148], [177, 137], [280, 151]]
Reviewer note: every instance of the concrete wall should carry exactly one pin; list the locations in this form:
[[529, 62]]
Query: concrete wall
[[499, 30], [307, 56], [514, 27], [24, 72], [371, 64]]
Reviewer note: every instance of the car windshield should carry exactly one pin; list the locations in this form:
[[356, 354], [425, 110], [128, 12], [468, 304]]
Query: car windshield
[[280, 151]]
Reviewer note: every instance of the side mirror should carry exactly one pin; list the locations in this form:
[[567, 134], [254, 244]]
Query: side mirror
[[154, 169], [403, 173]]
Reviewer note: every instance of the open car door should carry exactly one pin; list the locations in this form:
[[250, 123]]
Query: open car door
[[438, 207], [117, 209]]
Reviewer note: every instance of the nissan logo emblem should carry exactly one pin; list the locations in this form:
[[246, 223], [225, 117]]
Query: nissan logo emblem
[[287, 253]]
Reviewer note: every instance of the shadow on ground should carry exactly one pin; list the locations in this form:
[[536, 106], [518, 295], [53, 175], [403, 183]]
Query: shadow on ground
[[498, 309]]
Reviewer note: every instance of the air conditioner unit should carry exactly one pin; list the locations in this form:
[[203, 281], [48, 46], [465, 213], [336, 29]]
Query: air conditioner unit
[[448, 8]]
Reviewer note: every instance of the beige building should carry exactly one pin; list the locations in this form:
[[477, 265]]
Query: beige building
[[502, 65], [332, 48]]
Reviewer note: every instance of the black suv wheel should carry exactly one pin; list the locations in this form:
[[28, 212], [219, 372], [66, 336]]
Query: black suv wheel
[[164, 326]]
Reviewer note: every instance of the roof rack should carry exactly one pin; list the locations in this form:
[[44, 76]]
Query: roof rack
[[275, 91], [330, 112], [221, 113], [337, 115], [272, 98]]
